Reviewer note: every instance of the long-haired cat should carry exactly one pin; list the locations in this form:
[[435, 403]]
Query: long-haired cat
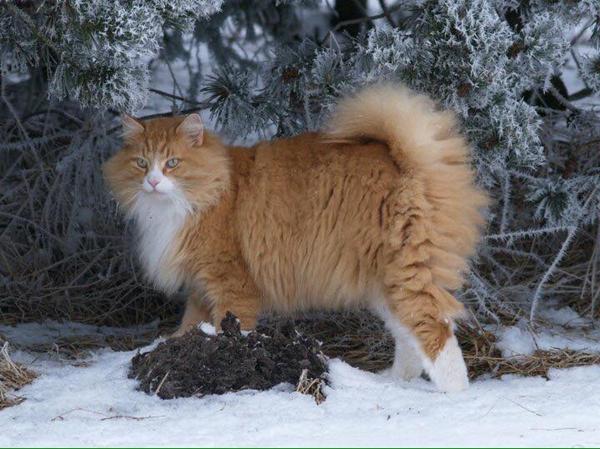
[[379, 211]]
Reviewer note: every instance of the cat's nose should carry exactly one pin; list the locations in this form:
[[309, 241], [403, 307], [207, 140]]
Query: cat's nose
[[153, 182]]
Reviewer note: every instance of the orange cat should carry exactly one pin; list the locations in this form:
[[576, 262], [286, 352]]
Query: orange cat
[[378, 211]]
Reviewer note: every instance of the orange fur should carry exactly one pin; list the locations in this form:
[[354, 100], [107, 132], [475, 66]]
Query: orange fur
[[379, 210]]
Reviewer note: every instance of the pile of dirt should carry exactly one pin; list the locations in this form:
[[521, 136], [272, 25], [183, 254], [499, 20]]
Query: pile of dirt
[[199, 363]]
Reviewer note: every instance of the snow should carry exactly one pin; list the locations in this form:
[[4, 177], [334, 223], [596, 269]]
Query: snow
[[564, 316], [564, 329], [514, 341], [519, 340], [96, 404]]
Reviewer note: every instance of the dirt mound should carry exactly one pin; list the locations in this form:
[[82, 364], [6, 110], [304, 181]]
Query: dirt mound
[[198, 363]]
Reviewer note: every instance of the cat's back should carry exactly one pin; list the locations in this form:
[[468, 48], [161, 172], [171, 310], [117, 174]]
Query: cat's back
[[310, 212], [297, 163]]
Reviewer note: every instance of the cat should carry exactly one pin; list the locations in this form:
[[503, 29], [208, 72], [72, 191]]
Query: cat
[[379, 210]]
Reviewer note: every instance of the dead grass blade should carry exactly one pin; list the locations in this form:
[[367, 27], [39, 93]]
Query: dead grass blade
[[13, 376], [311, 386]]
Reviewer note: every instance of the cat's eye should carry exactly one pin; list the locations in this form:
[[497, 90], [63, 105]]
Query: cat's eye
[[141, 162], [172, 163]]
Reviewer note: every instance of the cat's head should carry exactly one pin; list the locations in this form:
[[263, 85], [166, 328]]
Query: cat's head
[[170, 161]]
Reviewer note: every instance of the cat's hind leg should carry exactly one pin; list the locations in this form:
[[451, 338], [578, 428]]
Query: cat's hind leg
[[432, 339], [407, 358], [428, 245]]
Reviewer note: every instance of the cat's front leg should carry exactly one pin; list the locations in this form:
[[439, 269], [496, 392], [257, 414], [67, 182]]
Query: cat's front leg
[[232, 289], [197, 310]]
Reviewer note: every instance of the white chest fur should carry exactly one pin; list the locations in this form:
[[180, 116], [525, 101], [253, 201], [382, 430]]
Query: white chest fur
[[158, 221]]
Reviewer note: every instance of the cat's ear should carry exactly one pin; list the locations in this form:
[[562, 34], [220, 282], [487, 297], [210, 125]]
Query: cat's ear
[[192, 128], [131, 126]]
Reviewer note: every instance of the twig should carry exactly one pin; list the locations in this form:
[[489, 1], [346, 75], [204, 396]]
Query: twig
[[32, 223], [200, 107], [593, 265], [387, 13], [106, 417], [550, 271], [344, 23], [53, 111], [88, 266], [580, 94], [162, 382], [525, 408], [505, 202], [173, 77], [559, 256], [133, 418], [13, 112], [525, 233], [562, 100], [175, 97], [582, 31], [382, 15]]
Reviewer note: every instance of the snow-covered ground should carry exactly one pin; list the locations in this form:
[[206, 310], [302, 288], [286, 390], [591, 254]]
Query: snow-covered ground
[[563, 329], [96, 404]]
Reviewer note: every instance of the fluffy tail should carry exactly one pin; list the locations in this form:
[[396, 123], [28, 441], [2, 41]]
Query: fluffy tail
[[438, 219]]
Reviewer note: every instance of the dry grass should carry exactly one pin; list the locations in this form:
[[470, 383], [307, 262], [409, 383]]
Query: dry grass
[[357, 338], [12, 377], [362, 341], [483, 358], [311, 386]]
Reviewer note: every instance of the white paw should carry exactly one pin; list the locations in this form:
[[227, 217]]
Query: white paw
[[448, 372], [207, 328]]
